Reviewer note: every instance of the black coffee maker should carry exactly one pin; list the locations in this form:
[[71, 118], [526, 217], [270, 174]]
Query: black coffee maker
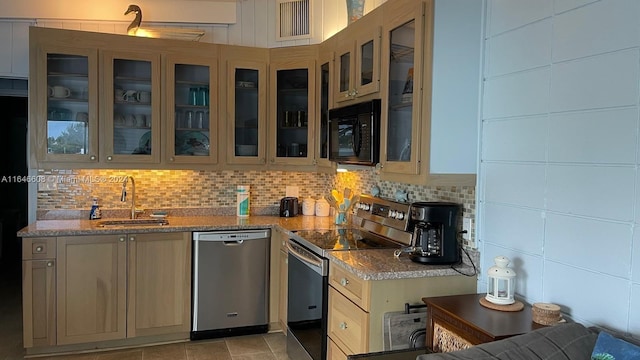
[[435, 228]]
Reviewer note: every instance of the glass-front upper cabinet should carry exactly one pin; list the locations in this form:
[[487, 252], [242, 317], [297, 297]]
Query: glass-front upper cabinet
[[131, 108], [325, 100], [293, 114], [191, 103], [247, 110], [358, 59], [67, 98], [401, 119]]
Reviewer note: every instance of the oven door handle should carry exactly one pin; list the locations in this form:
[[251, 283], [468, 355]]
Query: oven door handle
[[311, 261]]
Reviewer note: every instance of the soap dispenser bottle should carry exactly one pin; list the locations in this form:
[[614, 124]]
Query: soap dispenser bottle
[[95, 210]]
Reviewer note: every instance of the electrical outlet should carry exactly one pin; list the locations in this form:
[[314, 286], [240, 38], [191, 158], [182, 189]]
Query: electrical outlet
[[466, 227]]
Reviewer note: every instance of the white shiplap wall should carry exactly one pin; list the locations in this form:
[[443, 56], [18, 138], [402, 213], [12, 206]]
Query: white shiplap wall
[[559, 182]]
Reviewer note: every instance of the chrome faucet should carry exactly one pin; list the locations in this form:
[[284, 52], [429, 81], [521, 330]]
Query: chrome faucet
[[123, 196]]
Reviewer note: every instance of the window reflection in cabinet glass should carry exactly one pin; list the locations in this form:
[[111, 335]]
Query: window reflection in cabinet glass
[[293, 94], [324, 111], [366, 65], [246, 112], [132, 107], [67, 104], [400, 102], [192, 130]]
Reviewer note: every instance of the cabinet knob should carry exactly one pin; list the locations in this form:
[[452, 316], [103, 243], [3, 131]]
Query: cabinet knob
[[344, 282], [172, 159], [109, 158], [49, 263], [39, 248], [121, 239], [92, 158], [133, 238], [343, 325]]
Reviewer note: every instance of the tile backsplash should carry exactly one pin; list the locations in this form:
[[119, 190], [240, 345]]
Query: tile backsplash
[[193, 189]]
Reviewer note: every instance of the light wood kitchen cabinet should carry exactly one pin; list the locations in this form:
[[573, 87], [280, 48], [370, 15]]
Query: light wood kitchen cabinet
[[109, 101], [325, 80], [278, 280], [284, 283], [430, 90], [357, 306], [358, 60], [130, 107], [159, 284], [39, 291], [113, 287], [64, 92], [246, 105], [292, 106], [191, 101], [91, 288]]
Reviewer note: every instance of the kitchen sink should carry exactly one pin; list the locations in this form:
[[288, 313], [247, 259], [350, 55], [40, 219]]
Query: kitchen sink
[[133, 222]]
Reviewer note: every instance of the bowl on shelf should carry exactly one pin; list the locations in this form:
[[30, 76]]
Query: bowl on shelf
[[246, 150]]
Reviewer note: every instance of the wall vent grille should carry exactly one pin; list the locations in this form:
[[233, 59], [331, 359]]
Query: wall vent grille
[[293, 19]]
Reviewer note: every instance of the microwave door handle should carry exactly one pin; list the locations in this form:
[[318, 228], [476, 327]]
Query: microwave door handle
[[357, 137]]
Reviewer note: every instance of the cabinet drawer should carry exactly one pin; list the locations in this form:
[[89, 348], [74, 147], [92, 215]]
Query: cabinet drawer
[[351, 286], [348, 324], [38, 248], [334, 352]]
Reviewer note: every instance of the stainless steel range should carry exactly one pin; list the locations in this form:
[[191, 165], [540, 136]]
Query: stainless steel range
[[378, 224]]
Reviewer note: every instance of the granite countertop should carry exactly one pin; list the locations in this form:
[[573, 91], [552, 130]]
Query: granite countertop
[[366, 264], [383, 265], [42, 228]]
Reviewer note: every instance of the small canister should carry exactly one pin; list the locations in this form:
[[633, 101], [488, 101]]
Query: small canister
[[308, 206], [242, 195], [322, 207]]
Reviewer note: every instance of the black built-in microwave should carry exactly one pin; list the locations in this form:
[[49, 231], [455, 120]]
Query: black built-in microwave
[[354, 133]]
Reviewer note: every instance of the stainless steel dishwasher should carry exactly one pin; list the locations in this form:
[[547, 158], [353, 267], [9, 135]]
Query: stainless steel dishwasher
[[230, 283]]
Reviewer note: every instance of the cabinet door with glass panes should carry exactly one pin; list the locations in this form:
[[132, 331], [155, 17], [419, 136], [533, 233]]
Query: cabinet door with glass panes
[[247, 112], [191, 110], [130, 131], [358, 60], [403, 59], [325, 79], [67, 105], [293, 105]]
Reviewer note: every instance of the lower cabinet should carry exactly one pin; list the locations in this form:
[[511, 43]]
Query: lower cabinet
[[357, 306], [284, 284], [107, 287], [39, 291]]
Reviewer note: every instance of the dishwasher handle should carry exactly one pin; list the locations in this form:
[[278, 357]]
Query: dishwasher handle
[[233, 242]]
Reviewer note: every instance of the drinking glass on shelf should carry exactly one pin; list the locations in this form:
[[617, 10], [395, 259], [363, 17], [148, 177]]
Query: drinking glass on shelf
[[188, 119], [199, 122], [193, 96]]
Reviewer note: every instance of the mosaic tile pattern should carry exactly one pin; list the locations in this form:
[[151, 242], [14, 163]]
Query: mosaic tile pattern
[[171, 189]]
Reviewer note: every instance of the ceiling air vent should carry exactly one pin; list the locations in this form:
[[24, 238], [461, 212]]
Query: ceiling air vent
[[293, 19]]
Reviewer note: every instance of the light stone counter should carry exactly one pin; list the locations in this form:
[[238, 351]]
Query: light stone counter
[[42, 228], [382, 265], [366, 264]]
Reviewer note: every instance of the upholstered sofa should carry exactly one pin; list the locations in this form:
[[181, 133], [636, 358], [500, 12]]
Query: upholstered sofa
[[571, 341]]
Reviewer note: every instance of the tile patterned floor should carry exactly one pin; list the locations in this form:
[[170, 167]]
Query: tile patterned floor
[[250, 347]]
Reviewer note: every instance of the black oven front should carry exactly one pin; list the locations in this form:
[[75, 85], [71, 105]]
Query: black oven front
[[307, 295]]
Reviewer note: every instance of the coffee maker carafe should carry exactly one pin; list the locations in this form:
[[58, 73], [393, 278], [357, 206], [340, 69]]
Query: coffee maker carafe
[[435, 228]]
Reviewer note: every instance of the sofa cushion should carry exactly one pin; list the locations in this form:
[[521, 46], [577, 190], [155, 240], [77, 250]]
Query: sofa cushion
[[609, 347], [560, 342]]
